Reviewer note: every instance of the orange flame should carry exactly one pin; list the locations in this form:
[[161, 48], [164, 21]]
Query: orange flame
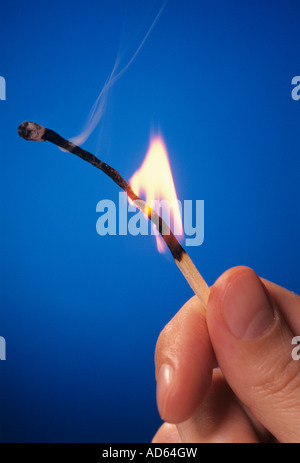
[[154, 181]]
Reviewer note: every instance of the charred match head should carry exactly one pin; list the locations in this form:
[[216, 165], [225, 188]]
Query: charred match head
[[31, 131]]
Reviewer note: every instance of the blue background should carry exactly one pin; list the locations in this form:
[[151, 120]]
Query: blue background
[[81, 313]]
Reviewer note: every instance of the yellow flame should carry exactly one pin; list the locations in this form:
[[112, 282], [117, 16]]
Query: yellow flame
[[154, 182]]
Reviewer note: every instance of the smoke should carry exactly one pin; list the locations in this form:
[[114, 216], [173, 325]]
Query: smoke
[[98, 109]]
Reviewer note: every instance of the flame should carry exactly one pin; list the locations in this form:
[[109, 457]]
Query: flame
[[154, 182]]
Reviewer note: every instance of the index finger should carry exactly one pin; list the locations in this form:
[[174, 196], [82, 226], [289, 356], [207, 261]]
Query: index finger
[[184, 361]]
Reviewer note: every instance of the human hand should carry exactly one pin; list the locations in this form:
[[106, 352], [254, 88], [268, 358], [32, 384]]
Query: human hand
[[247, 330]]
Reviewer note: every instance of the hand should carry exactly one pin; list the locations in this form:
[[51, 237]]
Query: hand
[[247, 330]]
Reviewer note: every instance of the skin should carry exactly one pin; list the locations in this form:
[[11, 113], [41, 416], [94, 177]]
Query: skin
[[254, 394]]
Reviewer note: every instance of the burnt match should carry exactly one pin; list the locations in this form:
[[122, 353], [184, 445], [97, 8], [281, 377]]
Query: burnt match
[[35, 132]]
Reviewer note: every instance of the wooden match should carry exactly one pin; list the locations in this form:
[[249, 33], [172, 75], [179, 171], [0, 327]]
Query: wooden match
[[35, 132]]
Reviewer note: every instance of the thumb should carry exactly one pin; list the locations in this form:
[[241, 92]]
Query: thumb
[[252, 343]]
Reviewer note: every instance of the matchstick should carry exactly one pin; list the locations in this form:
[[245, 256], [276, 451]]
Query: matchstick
[[36, 132]]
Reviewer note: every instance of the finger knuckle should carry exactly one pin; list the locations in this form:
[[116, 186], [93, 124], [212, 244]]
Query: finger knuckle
[[281, 381]]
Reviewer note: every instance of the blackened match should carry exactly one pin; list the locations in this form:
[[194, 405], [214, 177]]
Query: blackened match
[[35, 132]]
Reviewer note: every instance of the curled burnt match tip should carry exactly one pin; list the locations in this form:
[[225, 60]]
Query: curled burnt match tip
[[31, 131]]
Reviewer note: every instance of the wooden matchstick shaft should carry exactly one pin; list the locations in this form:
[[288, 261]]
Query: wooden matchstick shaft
[[194, 278], [35, 132]]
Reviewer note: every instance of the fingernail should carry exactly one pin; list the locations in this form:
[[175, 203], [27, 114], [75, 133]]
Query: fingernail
[[164, 382], [246, 308]]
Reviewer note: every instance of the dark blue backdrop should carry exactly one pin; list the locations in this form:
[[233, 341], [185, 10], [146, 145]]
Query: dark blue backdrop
[[81, 313]]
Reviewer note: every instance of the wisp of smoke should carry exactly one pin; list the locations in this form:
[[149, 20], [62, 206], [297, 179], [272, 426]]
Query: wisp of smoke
[[98, 108]]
